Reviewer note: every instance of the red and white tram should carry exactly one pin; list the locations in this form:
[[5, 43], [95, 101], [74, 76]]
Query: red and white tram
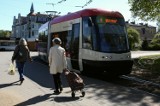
[[95, 41]]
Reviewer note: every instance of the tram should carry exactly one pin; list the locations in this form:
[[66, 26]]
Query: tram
[[95, 41]]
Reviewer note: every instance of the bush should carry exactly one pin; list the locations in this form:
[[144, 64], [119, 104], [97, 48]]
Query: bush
[[151, 63], [154, 46], [156, 66], [145, 45], [155, 43], [145, 63], [133, 38]]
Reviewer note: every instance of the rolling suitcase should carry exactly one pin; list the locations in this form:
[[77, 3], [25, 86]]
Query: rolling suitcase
[[75, 82]]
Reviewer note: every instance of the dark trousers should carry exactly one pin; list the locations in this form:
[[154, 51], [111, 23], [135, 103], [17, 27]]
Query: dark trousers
[[20, 66], [57, 81]]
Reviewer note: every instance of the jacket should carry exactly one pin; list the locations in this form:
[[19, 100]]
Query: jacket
[[57, 59], [24, 51]]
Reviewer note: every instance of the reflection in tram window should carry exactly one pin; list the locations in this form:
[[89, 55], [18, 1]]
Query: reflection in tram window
[[87, 41]]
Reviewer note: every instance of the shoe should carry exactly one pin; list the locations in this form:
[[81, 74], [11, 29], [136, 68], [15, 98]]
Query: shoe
[[61, 89], [56, 91], [21, 81]]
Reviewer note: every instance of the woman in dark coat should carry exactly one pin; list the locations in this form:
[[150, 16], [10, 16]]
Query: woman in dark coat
[[21, 55]]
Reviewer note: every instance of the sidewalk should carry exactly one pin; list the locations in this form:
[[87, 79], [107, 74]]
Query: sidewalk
[[29, 93], [37, 90]]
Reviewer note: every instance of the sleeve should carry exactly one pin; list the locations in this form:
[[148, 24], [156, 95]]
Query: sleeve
[[64, 60], [15, 53], [50, 57], [29, 56]]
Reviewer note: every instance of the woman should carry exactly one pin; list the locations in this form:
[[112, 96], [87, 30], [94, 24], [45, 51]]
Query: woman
[[57, 63], [21, 55]]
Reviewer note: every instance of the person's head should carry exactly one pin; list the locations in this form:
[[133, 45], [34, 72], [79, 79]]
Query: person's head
[[57, 41], [22, 41]]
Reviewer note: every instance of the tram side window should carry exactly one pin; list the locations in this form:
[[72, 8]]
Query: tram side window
[[75, 40], [68, 42], [86, 37], [65, 36], [43, 36]]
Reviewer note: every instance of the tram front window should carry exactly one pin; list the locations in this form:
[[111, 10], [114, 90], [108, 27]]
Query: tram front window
[[112, 34], [112, 38], [106, 34]]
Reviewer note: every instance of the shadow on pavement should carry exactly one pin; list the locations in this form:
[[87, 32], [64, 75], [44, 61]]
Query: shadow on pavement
[[118, 94], [9, 84], [38, 71], [65, 99], [39, 99], [34, 100]]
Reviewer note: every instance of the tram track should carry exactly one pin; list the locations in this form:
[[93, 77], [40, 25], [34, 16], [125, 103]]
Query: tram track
[[140, 80], [138, 83]]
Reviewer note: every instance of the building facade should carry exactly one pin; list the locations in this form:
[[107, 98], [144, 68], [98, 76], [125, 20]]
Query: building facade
[[27, 26], [146, 31]]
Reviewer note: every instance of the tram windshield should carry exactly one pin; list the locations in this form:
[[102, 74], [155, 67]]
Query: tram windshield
[[112, 37], [108, 34]]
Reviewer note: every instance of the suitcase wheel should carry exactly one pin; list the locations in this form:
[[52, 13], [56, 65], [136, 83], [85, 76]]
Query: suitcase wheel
[[73, 94]]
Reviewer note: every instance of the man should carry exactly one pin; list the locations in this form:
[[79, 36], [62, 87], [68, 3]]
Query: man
[[57, 63]]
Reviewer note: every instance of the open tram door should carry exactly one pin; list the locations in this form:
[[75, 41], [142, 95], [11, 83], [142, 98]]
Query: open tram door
[[70, 41], [74, 55]]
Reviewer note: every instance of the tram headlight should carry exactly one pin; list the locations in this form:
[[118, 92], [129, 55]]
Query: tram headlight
[[107, 57], [128, 56]]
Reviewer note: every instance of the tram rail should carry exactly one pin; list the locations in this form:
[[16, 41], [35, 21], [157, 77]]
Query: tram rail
[[140, 80]]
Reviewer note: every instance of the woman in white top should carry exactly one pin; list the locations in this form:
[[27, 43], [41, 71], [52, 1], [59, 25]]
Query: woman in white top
[[57, 63]]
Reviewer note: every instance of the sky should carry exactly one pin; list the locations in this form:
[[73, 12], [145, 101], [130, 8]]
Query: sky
[[11, 8]]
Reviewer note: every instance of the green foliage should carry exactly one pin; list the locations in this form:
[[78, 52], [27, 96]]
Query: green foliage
[[5, 33], [145, 63], [145, 44], [157, 36], [133, 37], [156, 66], [145, 9], [154, 46], [155, 43], [151, 63]]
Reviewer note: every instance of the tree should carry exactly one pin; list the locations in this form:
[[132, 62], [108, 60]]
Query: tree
[[155, 43], [156, 39], [157, 36], [5, 34], [145, 9], [145, 44], [133, 37]]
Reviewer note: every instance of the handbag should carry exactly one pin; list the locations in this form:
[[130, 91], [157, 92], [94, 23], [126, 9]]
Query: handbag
[[11, 69]]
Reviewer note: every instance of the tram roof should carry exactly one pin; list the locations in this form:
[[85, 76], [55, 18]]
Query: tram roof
[[85, 12]]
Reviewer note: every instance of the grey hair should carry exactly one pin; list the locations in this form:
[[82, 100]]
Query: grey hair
[[22, 41]]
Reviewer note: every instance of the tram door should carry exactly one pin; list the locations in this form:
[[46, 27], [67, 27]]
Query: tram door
[[75, 46]]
